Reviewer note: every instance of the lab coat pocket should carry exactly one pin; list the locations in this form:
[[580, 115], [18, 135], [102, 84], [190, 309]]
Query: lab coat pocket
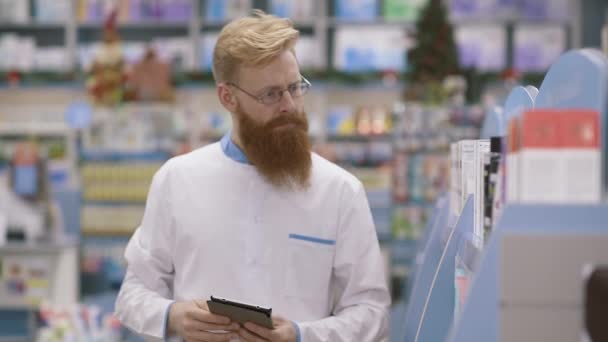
[[309, 267]]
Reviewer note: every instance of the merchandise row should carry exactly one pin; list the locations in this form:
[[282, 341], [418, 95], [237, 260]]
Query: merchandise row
[[534, 49], [303, 10]]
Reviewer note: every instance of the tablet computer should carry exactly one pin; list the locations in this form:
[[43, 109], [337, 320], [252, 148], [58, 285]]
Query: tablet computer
[[241, 312]]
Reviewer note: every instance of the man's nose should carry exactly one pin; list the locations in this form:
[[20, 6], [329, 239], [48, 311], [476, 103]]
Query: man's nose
[[287, 103]]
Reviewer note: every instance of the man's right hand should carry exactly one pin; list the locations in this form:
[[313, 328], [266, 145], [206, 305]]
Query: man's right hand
[[193, 322]]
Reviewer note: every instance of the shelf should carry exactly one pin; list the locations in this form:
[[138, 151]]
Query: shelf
[[385, 238], [113, 203], [32, 26], [123, 156], [421, 150], [305, 23], [106, 232], [355, 82], [403, 251], [360, 138], [34, 128], [50, 247], [380, 21], [220, 23], [144, 25], [213, 22], [15, 339], [413, 204], [362, 165], [336, 22], [14, 304], [504, 20]]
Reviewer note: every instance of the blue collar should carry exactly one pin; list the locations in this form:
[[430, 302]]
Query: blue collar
[[232, 151]]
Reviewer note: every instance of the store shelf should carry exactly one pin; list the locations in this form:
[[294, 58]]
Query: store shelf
[[32, 26], [15, 339], [144, 25], [106, 232], [219, 23], [16, 304], [38, 247], [363, 165], [35, 128], [360, 138], [506, 20], [403, 251], [115, 202], [212, 22], [105, 155], [385, 239], [349, 81], [337, 22]]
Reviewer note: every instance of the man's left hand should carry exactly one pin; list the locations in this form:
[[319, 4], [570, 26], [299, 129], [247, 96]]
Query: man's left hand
[[284, 331]]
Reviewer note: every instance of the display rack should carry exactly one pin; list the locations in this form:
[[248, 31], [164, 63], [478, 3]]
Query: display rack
[[488, 287], [327, 18], [35, 273], [420, 151], [509, 296], [120, 153]]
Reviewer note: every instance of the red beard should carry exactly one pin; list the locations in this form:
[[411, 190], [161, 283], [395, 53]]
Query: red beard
[[279, 149]]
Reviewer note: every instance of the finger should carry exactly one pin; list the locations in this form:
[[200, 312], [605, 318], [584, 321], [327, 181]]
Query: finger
[[196, 325], [258, 330], [202, 304], [210, 337], [207, 317], [211, 326], [278, 320], [249, 336]]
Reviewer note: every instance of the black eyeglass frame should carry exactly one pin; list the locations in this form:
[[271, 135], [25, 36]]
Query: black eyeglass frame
[[304, 86]]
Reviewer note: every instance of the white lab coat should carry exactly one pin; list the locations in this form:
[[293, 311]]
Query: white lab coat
[[213, 226]]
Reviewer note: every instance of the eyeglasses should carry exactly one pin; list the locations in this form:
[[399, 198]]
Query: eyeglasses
[[273, 95]]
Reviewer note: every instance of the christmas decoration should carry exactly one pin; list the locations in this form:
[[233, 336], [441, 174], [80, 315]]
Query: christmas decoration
[[13, 78], [150, 79], [106, 80], [435, 55]]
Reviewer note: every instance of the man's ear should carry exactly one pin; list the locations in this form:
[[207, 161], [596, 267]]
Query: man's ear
[[226, 97]]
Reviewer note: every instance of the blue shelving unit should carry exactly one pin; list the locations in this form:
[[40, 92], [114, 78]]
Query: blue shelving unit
[[429, 315], [579, 79], [481, 316], [424, 263], [437, 313]]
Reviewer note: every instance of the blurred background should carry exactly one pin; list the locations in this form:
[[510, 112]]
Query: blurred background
[[95, 95]]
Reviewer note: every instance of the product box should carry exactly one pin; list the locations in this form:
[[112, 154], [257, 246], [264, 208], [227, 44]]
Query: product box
[[14, 11], [455, 186], [581, 153], [482, 47], [511, 162], [537, 47], [400, 10], [482, 149], [178, 11], [222, 10], [467, 170], [374, 47], [560, 159], [296, 10], [356, 10], [56, 11]]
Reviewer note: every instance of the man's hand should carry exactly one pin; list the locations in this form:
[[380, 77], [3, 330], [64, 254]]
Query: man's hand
[[193, 322], [283, 331]]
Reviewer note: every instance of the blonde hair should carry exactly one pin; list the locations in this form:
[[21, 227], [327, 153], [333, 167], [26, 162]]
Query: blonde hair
[[251, 41]]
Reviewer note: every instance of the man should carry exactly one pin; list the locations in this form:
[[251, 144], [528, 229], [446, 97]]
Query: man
[[256, 218]]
